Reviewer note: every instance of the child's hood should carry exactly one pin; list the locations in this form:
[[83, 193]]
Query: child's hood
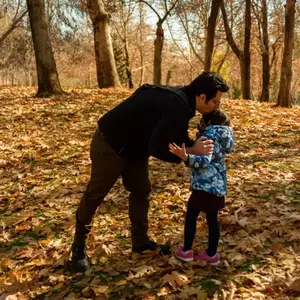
[[222, 135]]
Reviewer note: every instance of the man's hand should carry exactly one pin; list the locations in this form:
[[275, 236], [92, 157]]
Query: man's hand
[[202, 146], [180, 152]]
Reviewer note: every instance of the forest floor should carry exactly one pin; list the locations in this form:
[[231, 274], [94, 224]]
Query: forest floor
[[45, 167]]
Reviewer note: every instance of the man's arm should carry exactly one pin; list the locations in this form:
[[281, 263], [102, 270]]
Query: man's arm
[[173, 128], [191, 160], [202, 146]]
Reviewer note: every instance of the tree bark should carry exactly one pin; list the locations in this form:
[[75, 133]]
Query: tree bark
[[265, 91], [128, 68], [48, 81], [125, 15], [274, 75], [159, 41], [210, 36], [141, 42], [158, 47], [247, 54], [169, 77], [285, 97], [244, 57], [107, 75]]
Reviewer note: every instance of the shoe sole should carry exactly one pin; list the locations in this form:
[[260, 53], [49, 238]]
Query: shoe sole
[[210, 263], [215, 263], [76, 270], [184, 259]]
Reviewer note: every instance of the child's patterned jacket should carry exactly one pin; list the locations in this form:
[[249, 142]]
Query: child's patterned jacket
[[208, 172]]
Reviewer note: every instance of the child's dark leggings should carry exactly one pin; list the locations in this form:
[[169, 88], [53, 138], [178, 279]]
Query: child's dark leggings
[[192, 214]]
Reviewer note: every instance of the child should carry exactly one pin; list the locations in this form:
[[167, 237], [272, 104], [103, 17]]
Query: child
[[208, 185]]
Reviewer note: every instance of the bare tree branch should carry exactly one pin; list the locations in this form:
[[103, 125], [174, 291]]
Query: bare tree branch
[[168, 11], [230, 39], [190, 41], [12, 27], [179, 48], [151, 8], [17, 11]]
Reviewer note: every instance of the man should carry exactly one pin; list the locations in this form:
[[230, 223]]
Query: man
[[142, 126]]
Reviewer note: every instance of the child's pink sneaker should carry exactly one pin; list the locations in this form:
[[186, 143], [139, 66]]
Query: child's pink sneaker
[[184, 255], [212, 260]]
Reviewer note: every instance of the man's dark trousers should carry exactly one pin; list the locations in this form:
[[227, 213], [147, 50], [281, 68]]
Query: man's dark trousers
[[107, 166]]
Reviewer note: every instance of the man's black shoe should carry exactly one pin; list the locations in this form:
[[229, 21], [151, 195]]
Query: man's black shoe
[[79, 258], [152, 246]]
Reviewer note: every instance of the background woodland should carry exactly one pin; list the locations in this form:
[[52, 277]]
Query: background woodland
[[112, 43], [91, 55]]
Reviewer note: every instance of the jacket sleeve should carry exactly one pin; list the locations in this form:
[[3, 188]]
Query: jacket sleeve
[[198, 161], [229, 142], [170, 128]]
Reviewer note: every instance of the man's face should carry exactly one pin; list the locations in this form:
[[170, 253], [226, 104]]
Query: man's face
[[204, 107]]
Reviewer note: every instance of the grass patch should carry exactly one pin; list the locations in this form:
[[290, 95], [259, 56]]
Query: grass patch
[[247, 266], [295, 195], [288, 243], [16, 243], [32, 160], [34, 235], [291, 131], [265, 196], [100, 275], [209, 285]]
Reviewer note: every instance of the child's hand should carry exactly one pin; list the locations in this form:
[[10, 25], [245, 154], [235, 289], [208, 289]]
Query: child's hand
[[180, 152]]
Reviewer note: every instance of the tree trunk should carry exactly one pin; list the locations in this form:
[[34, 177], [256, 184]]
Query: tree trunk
[[265, 92], [159, 41], [247, 54], [13, 78], [243, 56], [141, 42], [105, 62], [158, 47], [274, 74], [210, 36], [127, 62], [243, 74], [169, 77], [48, 81], [285, 97]]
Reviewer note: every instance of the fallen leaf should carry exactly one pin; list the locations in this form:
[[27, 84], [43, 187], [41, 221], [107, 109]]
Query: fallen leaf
[[295, 285], [175, 279]]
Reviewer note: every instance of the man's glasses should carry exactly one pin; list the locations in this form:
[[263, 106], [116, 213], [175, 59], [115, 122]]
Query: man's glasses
[[216, 101]]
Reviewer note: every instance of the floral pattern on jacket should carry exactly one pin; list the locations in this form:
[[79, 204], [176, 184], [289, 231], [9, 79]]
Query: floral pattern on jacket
[[208, 172]]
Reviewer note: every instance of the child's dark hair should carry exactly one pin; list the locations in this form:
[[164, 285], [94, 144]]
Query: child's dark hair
[[216, 117]]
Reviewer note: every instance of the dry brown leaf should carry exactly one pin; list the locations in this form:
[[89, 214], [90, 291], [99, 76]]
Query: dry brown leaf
[[295, 285], [45, 168], [175, 279]]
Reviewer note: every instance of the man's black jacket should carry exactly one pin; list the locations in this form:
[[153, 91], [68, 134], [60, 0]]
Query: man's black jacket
[[145, 123]]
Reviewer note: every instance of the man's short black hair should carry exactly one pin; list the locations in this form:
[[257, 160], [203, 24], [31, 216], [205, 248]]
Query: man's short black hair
[[208, 83]]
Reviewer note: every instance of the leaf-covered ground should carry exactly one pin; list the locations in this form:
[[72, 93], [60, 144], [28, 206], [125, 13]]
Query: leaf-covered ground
[[45, 168]]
